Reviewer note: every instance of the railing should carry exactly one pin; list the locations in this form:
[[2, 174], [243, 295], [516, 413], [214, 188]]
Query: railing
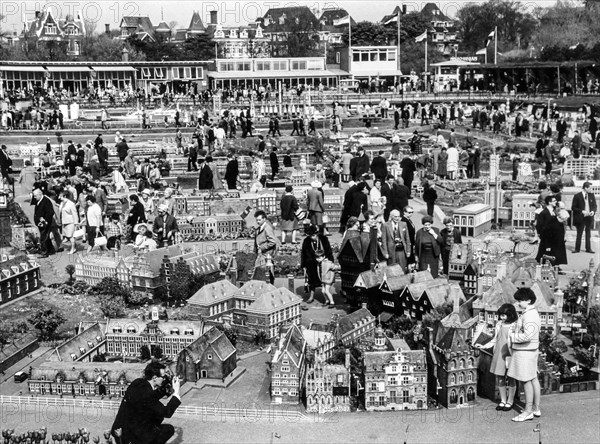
[[287, 413]]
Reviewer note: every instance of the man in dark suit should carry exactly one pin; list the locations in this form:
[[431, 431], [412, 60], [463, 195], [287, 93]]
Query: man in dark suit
[[359, 165], [164, 226], [379, 167], [543, 222], [407, 213], [205, 179], [396, 247], [5, 163], [408, 170], [584, 209], [400, 195], [140, 416], [232, 170], [43, 217]]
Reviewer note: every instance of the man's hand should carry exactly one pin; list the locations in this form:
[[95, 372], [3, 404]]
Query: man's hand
[[176, 382]]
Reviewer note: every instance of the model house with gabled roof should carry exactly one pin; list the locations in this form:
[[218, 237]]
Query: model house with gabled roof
[[83, 347], [288, 366], [421, 298], [125, 337], [395, 379], [355, 327], [279, 23], [444, 35], [319, 341], [210, 356], [461, 255], [327, 385], [83, 378], [471, 278], [368, 283], [19, 276], [256, 304]]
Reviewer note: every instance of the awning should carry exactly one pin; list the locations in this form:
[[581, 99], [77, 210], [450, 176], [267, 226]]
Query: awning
[[68, 69], [113, 68], [249, 75], [25, 68]]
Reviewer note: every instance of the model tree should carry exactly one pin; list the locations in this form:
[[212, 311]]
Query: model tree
[[47, 320], [70, 269], [145, 353], [180, 284]]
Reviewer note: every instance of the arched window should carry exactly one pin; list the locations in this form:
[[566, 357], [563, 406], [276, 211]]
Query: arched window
[[471, 362], [470, 377], [461, 378], [461, 363], [453, 396], [452, 378], [452, 364]]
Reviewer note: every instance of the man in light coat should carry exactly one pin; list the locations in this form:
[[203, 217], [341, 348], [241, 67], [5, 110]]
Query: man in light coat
[[396, 246]]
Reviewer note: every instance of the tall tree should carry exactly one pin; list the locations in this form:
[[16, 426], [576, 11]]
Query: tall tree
[[371, 34], [180, 284], [47, 320]]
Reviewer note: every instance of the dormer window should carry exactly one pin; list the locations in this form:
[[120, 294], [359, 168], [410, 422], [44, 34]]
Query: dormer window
[[131, 330], [117, 330], [50, 29], [73, 356], [189, 332], [244, 34], [233, 34], [282, 19], [174, 331], [81, 350]]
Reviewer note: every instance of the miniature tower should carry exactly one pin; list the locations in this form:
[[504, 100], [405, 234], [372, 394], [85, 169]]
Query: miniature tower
[[233, 272], [379, 339]]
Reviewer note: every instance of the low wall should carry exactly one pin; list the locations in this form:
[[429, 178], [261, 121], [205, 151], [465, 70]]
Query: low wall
[[13, 353]]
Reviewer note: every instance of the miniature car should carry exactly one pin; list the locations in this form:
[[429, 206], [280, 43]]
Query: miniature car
[[21, 376]]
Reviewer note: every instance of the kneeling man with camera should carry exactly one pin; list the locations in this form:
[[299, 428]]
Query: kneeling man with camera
[[140, 416]]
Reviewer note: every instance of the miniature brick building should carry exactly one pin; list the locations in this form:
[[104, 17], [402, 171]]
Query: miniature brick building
[[83, 378], [355, 327], [18, 276], [256, 304], [396, 379], [421, 298], [327, 386], [125, 337], [523, 212], [210, 356], [473, 219], [288, 366]]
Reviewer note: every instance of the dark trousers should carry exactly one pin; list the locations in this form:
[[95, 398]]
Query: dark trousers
[[430, 206], [445, 261], [586, 225], [232, 184], [548, 167], [162, 434], [192, 163]]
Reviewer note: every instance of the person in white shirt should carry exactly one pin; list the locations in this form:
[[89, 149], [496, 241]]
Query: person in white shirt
[[377, 200], [94, 222], [69, 218]]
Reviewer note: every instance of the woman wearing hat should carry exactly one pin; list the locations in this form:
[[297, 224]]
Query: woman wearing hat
[[148, 203], [313, 243], [136, 216]]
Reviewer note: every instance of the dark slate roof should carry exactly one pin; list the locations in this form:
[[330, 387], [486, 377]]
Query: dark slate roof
[[453, 341], [215, 338], [461, 318], [196, 24], [82, 341], [428, 12], [347, 323], [290, 14], [143, 23], [163, 27], [500, 293], [292, 343], [371, 279], [110, 372]]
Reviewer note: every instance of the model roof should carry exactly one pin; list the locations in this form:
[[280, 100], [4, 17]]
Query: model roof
[[438, 291], [499, 293], [396, 283], [108, 372], [214, 292], [371, 279], [453, 341], [273, 300], [459, 254], [472, 209], [292, 345], [279, 19], [79, 344], [349, 322], [167, 328], [196, 24], [215, 338]]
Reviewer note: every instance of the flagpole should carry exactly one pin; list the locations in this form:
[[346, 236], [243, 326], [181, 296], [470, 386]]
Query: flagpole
[[398, 29], [496, 45], [350, 44], [425, 75]]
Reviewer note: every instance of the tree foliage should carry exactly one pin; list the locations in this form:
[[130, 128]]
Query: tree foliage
[[47, 320], [145, 353], [180, 283], [476, 21], [112, 306], [371, 34]]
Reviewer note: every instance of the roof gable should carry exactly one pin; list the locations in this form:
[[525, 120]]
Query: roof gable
[[349, 322], [196, 24], [291, 345]]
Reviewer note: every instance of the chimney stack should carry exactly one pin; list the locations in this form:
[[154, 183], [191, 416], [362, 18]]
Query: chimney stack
[[125, 55], [213, 17], [233, 272], [291, 284], [107, 28]]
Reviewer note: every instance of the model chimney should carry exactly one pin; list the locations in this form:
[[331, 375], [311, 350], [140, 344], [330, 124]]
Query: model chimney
[[213, 17], [233, 272], [291, 284], [107, 28], [125, 55]]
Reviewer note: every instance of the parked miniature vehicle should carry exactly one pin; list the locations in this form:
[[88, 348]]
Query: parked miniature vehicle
[[21, 376]]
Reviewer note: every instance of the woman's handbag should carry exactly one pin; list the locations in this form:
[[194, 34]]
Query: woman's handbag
[[325, 219], [79, 234], [100, 240], [300, 214]]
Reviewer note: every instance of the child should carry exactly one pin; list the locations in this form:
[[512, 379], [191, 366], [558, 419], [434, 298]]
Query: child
[[327, 271], [114, 233], [508, 316], [525, 342]]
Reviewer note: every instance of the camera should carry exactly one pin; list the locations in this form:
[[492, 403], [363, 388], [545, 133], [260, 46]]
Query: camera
[[166, 389]]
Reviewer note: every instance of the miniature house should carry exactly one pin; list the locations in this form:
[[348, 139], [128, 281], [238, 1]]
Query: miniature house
[[474, 219]]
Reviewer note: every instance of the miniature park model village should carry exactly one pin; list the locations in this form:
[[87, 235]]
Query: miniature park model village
[[405, 341]]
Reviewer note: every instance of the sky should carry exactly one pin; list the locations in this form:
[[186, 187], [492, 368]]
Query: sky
[[230, 12]]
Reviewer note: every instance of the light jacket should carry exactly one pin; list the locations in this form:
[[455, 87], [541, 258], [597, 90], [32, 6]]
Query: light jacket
[[526, 335]]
